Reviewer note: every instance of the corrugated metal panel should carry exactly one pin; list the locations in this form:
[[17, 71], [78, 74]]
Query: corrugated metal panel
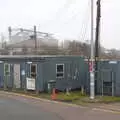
[[71, 65], [75, 74], [1, 74]]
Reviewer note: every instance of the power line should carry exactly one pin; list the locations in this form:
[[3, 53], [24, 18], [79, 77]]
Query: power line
[[61, 11], [85, 22]]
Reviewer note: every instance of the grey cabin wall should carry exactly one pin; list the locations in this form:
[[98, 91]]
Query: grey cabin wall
[[1, 75], [108, 73], [117, 79], [70, 65], [10, 78], [46, 70]]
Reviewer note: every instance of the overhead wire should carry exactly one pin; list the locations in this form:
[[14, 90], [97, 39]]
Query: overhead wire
[[73, 17], [66, 6], [61, 11], [85, 23]]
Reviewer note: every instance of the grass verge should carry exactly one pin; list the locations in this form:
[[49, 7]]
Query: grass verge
[[74, 97]]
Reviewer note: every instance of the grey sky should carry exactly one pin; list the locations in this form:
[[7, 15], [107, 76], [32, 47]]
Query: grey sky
[[65, 18]]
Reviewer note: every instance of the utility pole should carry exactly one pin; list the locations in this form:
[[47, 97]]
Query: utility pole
[[10, 32], [35, 38], [97, 36], [10, 38], [92, 91], [2, 40]]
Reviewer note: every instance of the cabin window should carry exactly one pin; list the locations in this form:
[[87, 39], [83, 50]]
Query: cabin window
[[107, 84], [33, 70], [60, 70], [6, 69]]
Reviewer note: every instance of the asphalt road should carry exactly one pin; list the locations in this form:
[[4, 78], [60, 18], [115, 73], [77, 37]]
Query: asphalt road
[[22, 108]]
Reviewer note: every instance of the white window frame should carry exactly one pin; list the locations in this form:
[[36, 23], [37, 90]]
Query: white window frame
[[35, 70], [60, 72], [8, 69]]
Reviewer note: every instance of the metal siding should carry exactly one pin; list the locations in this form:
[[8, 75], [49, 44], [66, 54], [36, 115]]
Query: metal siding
[[108, 72], [64, 82], [39, 78], [9, 78], [71, 63], [22, 77], [76, 81], [86, 77], [117, 80], [46, 70], [103, 66], [27, 70], [82, 72], [1, 75]]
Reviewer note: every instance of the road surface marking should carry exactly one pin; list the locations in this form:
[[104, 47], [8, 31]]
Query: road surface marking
[[105, 110], [110, 108]]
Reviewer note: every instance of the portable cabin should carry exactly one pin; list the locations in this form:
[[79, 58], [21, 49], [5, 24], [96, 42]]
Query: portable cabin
[[34, 72], [108, 80]]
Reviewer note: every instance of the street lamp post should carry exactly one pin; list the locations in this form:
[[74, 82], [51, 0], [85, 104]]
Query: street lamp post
[[92, 81]]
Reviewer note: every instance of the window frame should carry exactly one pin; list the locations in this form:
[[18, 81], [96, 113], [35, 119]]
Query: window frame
[[35, 70], [60, 72]]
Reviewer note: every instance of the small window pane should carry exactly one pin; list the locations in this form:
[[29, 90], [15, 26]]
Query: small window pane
[[59, 68], [33, 75], [33, 68], [33, 71], [59, 75], [107, 83]]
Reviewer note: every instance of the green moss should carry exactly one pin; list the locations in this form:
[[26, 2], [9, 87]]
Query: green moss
[[110, 99], [72, 96]]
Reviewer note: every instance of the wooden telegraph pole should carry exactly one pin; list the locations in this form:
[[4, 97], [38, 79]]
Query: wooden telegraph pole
[[97, 38]]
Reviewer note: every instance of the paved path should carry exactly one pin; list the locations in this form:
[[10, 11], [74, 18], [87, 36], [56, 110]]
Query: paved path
[[22, 108]]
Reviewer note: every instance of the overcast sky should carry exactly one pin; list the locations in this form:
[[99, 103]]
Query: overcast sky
[[67, 19]]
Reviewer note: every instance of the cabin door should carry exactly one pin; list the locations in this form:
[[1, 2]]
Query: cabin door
[[17, 75]]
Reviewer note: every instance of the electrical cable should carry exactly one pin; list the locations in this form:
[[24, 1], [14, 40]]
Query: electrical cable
[[85, 23], [60, 12]]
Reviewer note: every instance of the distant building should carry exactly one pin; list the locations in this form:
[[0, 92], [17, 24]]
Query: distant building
[[65, 44], [25, 42]]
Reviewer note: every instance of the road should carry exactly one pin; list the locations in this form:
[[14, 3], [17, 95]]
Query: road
[[21, 108]]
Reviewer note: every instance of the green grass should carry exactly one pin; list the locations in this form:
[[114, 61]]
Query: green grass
[[75, 97], [44, 95], [101, 99], [71, 97], [60, 96], [110, 99]]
